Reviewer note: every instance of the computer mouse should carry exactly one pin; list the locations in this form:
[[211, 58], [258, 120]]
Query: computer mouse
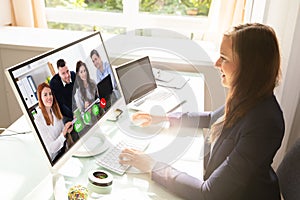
[[139, 122]]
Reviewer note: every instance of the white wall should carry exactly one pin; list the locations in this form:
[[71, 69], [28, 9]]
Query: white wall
[[5, 14], [9, 106], [291, 90], [284, 17]]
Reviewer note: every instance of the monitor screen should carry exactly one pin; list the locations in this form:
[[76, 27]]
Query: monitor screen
[[60, 92]]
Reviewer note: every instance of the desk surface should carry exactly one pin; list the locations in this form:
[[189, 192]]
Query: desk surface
[[24, 171]]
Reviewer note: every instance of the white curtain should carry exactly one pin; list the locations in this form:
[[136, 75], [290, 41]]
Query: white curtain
[[29, 13], [223, 14]]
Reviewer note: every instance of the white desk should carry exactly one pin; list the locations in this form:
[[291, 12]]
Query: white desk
[[24, 172], [23, 165]]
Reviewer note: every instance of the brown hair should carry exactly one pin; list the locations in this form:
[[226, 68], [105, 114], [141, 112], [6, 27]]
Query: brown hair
[[94, 52], [55, 106], [256, 50], [92, 86]]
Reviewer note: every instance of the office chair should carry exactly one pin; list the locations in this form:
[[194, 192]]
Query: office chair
[[288, 173]]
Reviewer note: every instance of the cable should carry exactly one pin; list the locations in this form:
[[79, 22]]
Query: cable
[[14, 132]]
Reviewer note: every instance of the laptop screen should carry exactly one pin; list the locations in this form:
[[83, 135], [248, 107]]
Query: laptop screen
[[105, 87], [136, 79]]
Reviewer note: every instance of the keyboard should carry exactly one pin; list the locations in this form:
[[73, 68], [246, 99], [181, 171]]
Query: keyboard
[[160, 96], [110, 159]]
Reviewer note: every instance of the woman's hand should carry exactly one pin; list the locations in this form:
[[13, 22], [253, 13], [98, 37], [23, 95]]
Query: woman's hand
[[137, 159], [86, 104], [67, 128], [141, 119], [145, 119]]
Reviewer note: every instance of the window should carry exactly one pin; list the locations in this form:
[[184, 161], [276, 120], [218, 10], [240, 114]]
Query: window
[[176, 7], [188, 17]]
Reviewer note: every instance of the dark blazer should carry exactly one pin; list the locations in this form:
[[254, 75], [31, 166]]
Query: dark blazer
[[63, 94], [239, 167]]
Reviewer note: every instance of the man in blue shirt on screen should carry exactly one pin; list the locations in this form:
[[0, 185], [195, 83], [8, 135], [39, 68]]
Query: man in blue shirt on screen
[[103, 68]]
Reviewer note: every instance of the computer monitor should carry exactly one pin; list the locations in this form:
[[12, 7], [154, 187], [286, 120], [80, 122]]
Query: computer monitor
[[25, 79]]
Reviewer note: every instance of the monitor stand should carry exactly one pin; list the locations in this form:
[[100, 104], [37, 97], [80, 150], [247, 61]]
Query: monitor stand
[[94, 145], [71, 168]]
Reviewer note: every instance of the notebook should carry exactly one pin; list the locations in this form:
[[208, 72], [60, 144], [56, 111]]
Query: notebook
[[140, 90], [169, 79]]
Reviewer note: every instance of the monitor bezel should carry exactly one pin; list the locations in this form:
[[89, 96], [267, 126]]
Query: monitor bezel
[[53, 167]]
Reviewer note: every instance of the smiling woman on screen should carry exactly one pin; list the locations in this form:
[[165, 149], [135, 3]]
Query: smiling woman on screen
[[86, 93], [50, 124]]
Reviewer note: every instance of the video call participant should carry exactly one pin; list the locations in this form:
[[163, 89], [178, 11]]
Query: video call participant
[[86, 92], [62, 85], [243, 142], [54, 133], [103, 68]]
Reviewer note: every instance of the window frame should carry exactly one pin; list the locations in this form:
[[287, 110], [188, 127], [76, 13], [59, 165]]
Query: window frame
[[192, 27], [130, 19]]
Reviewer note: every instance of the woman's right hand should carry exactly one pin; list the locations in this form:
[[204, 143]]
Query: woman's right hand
[[68, 128], [86, 104], [145, 119], [141, 119], [137, 159]]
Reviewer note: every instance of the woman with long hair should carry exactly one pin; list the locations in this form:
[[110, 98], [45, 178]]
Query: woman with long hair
[[245, 133], [86, 91], [50, 124]]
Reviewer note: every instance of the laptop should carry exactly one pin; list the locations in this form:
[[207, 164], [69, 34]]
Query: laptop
[[140, 90], [105, 87]]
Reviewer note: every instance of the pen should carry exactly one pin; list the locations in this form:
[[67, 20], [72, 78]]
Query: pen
[[180, 104]]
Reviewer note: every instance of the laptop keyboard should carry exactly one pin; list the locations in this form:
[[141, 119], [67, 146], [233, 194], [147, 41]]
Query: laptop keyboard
[[159, 96], [110, 159], [139, 102]]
